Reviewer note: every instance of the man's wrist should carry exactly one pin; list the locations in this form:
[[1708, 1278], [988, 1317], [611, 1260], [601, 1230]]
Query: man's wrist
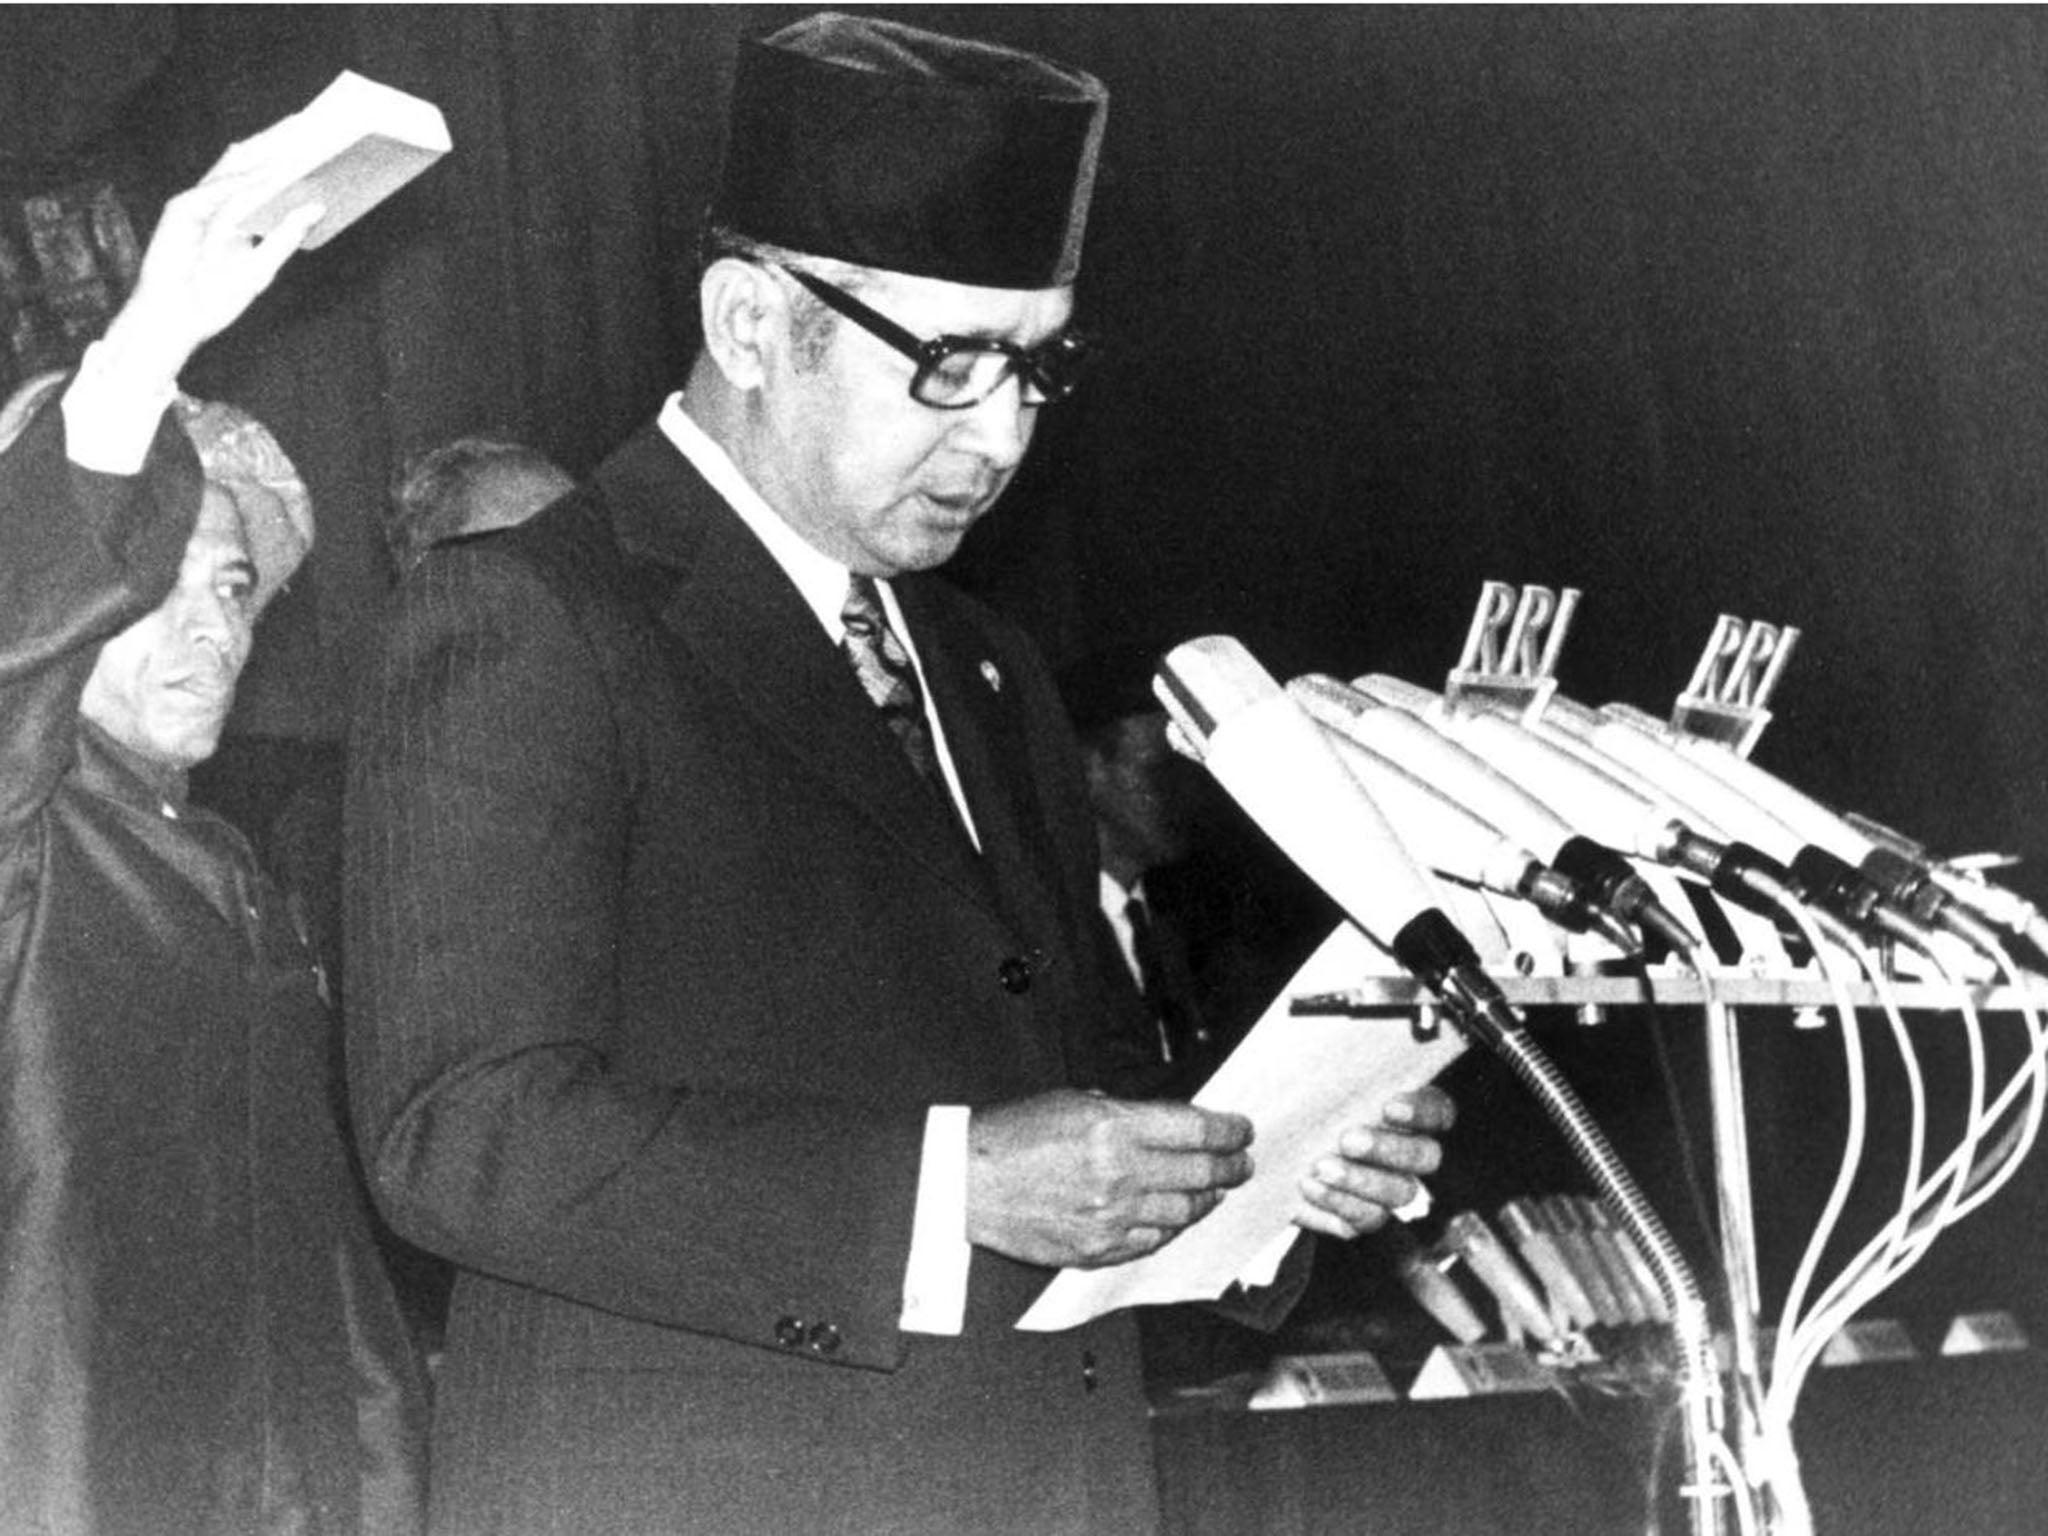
[[111, 410], [139, 351]]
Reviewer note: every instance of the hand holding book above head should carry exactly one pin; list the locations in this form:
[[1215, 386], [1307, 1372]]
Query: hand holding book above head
[[201, 271], [293, 186], [349, 148]]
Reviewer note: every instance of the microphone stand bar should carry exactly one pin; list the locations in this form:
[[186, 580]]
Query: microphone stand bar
[[1394, 994]]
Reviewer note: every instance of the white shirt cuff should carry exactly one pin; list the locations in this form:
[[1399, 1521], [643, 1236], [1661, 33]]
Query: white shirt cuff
[[110, 418], [935, 1281]]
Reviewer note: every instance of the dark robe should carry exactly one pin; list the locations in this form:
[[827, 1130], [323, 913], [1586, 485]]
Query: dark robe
[[196, 1336]]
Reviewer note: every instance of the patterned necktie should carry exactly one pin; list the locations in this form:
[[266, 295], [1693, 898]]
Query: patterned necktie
[[884, 670]]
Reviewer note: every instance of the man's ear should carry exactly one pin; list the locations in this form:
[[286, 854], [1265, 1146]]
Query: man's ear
[[745, 315]]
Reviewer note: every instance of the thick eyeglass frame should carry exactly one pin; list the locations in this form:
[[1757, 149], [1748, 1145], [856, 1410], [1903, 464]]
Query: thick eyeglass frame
[[1046, 374]]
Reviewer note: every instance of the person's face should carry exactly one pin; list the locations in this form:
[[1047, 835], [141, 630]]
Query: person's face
[[870, 476], [1147, 796], [164, 685]]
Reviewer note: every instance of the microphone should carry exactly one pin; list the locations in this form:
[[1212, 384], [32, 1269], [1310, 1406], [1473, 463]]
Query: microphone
[[1230, 715], [1631, 1271], [1603, 798], [1422, 1272], [1541, 1251], [1456, 842], [1813, 870], [1414, 742], [1644, 754], [1521, 1309], [1573, 816], [1619, 797], [1839, 854]]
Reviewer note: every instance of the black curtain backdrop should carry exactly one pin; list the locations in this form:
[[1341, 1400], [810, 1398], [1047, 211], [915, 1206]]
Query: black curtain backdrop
[[1700, 310]]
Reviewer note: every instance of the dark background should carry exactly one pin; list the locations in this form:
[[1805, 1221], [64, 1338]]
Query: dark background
[[1709, 310], [1698, 310]]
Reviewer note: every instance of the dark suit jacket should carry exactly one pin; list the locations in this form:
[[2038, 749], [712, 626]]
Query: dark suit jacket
[[658, 952]]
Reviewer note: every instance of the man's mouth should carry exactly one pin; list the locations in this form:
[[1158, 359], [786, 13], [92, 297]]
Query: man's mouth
[[203, 687], [962, 505]]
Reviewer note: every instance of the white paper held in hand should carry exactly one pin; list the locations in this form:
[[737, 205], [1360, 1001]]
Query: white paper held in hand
[[348, 149], [1301, 1078]]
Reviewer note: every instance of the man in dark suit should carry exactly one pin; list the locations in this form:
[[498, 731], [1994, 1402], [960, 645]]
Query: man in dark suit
[[724, 999]]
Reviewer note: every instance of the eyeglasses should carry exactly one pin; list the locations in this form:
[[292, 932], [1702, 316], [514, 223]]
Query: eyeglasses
[[955, 372]]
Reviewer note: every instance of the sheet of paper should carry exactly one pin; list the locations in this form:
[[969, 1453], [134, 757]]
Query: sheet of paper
[[1301, 1079]]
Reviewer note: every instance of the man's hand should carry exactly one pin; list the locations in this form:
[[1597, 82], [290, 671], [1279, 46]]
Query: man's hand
[[201, 272], [1378, 1165], [1072, 1178]]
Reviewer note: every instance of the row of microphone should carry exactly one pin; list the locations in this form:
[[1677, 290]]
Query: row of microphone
[[1564, 1266], [1550, 809]]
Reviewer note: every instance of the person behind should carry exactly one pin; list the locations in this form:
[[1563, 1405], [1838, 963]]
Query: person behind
[[1206, 922], [470, 485], [1150, 805], [195, 1333], [724, 994]]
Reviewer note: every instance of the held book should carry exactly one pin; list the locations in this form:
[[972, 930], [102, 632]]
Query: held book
[[351, 147]]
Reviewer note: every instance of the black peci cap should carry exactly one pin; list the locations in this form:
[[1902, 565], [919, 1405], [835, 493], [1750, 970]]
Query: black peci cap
[[888, 146]]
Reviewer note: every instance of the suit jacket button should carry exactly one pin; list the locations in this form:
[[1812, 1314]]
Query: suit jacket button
[[1015, 975], [789, 1332], [824, 1339]]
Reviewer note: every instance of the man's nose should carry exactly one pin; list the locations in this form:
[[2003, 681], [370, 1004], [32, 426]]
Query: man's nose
[[999, 428], [211, 622]]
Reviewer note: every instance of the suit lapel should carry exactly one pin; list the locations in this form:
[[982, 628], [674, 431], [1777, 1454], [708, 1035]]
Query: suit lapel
[[985, 733], [746, 628]]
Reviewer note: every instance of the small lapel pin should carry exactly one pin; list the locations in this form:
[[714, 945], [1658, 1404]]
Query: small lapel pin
[[991, 676]]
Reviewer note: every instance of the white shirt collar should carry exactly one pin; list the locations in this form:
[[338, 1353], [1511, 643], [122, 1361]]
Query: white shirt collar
[[1115, 896], [818, 577]]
